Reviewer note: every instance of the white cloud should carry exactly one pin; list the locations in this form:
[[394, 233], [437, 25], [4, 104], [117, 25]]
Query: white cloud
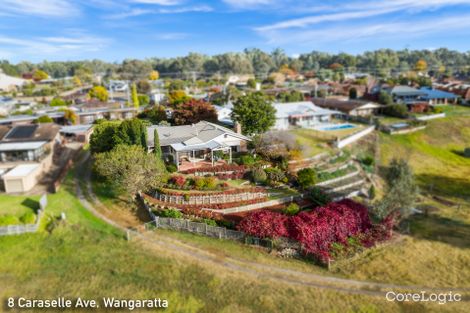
[[177, 10], [59, 46], [401, 30], [201, 8], [356, 10], [130, 13], [247, 4], [56, 8], [159, 2], [171, 36]]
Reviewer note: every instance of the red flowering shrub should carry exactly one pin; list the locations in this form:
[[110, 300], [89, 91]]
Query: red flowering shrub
[[265, 224], [178, 180], [317, 230]]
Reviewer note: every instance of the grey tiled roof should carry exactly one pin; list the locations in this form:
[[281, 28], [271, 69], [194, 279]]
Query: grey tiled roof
[[190, 134]]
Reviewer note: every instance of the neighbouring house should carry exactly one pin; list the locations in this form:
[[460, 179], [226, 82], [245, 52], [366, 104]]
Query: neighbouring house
[[85, 115], [117, 86], [77, 133], [349, 107], [88, 116], [26, 153], [157, 95], [7, 104], [301, 114], [457, 88], [405, 94], [436, 96], [224, 113], [197, 145]]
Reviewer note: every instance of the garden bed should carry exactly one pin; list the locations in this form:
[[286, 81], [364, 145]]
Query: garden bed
[[200, 206]]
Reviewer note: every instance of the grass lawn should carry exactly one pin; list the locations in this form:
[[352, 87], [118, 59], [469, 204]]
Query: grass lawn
[[456, 110], [313, 142], [87, 258], [18, 205], [436, 156], [436, 250]]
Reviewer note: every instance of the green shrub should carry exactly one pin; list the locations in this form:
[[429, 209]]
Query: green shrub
[[318, 196], [28, 218], [275, 174], [247, 159], [210, 182], [367, 160], [171, 213], [466, 152], [306, 177], [396, 110], [6, 220], [208, 221], [437, 110], [44, 119], [258, 175], [292, 209], [171, 168], [199, 183], [372, 192]]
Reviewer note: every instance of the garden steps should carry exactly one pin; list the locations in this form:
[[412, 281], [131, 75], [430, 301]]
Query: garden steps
[[256, 206], [352, 184], [335, 181]]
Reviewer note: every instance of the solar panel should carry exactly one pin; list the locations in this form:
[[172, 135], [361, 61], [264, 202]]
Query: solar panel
[[22, 132]]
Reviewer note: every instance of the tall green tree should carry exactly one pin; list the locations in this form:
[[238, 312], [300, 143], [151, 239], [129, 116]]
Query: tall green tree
[[107, 135], [156, 143], [254, 112], [131, 132], [131, 168], [102, 138], [402, 190], [135, 96]]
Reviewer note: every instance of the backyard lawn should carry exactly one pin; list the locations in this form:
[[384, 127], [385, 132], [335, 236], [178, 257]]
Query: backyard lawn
[[18, 205], [313, 142]]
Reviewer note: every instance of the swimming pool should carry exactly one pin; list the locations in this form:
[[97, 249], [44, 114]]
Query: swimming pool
[[329, 127]]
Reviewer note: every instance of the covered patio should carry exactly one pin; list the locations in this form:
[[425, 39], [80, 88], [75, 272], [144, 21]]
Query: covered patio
[[199, 155]]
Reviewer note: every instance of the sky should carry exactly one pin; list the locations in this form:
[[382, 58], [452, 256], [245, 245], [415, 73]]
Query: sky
[[36, 30]]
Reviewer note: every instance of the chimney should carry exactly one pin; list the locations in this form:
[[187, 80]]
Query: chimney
[[237, 128]]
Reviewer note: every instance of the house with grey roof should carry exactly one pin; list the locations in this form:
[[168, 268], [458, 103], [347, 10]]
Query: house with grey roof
[[301, 114], [196, 145], [405, 94], [26, 153]]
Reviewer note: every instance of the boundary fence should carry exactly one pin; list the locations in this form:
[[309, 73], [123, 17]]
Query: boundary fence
[[27, 228], [201, 229], [196, 227], [207, 230]]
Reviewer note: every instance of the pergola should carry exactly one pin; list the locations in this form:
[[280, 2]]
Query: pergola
[[190, 150]]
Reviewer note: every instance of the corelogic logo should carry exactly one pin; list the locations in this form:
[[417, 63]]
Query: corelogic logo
[[423, 296]]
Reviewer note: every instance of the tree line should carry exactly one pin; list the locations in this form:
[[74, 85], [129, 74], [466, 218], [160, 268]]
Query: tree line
[[255, 61]]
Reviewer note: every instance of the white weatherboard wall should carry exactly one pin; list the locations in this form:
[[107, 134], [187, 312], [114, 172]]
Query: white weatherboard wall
[[349, 140]]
